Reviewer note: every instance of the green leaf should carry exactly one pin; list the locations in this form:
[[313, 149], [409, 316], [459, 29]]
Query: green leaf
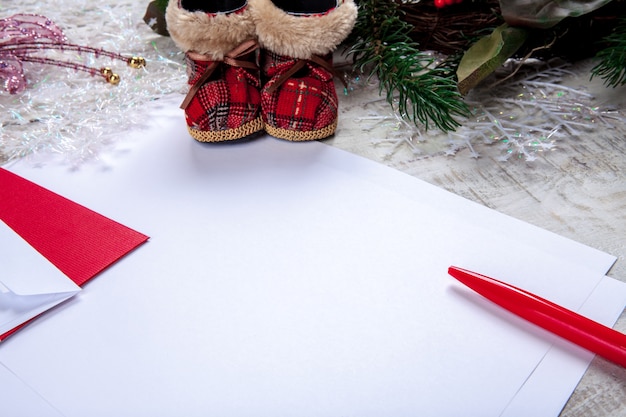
[[486, 55]]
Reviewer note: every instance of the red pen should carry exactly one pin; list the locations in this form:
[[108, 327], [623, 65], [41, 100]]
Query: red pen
[[578, 329]]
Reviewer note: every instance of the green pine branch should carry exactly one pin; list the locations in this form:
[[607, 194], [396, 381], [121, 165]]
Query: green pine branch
[[426, 90], [612, 65]]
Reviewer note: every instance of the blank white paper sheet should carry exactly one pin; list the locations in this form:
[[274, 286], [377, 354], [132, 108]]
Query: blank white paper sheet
[[295, 279]]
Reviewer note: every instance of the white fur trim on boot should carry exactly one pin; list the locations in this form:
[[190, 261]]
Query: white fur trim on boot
[[212, 35], [299, 36]]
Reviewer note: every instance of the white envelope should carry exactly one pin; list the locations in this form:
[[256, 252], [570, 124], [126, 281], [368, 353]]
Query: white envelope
[[29, 283]]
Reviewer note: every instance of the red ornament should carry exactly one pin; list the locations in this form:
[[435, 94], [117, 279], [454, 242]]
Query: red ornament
[[443, 3]]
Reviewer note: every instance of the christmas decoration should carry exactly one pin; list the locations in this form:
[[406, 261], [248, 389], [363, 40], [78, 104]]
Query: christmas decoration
[[75, 117], [297, 39], [476, 39], [487, 54], [416, 47], [612, 65], [425, 84], [260, 65], [223, 102], [444, 3], [23, 37], [517, 115], [520, 19], [527, 113], [71, 116]]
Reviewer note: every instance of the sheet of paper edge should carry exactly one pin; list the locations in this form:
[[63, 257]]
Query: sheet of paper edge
[[406, 185], [412, 187], [572, 364], [34, 404], [167, 110]]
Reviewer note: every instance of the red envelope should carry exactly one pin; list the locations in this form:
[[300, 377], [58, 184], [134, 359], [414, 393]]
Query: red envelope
[[78, 241]]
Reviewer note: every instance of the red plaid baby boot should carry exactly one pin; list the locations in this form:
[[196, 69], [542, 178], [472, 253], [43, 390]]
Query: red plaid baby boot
[[220, 46], [298, 99]]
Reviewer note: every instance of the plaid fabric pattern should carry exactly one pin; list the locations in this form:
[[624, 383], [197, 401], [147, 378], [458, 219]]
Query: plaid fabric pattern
[[305, 102], [228, 100]]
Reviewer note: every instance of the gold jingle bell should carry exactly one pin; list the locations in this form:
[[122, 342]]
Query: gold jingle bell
[[110, 76], [113, 79], [136, 62]]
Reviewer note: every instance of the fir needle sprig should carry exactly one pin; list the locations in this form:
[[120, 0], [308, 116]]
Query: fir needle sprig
[[424, 89], [612, 65]]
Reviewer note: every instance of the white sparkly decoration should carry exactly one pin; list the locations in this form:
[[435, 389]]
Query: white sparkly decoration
[[531, 110], [74, 115]]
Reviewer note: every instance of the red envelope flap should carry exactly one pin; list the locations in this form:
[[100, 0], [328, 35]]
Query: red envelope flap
[[77, 240]]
